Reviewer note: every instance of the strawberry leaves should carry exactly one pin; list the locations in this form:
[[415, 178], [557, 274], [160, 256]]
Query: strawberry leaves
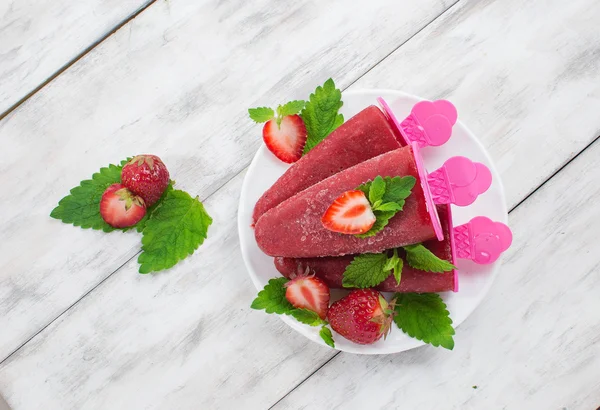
[[264, 114], [272, 300], [387, 197], [261, 114], [424, 316]]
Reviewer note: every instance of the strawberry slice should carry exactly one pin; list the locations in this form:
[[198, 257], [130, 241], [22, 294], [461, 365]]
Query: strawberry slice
[[350, 213], [120, 208], [287, 140], [308, 292]]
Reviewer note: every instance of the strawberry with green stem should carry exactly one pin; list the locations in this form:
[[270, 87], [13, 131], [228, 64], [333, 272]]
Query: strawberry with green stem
[[284, 132]]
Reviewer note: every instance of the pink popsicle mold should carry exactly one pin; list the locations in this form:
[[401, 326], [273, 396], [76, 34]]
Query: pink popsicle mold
[[452, 248], [481, 240], [459, 181], [429, 123]]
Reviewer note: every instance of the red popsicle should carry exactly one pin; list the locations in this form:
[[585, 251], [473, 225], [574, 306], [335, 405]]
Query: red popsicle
[[364, 136], [331, 269], [294, 228]]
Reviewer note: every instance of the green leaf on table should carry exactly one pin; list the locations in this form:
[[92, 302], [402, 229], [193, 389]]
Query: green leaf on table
[[327, 337], [178, 226], [82, 206], [261, 114], [320, 114], [272, 298], [419, 257], [424, 316], [290, 108], [150, 210], [308, 317], [387, 197]]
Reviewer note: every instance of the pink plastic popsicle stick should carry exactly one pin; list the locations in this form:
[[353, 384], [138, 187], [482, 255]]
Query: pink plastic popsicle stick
[[429, 123], [459, 181], [481, 240]]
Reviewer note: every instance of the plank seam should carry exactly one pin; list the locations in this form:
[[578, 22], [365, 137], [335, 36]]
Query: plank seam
[[75, 59]]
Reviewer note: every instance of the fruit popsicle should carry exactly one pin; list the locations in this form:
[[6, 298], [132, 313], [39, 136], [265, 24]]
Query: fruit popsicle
[[480, 240], [331, 269], [364, 136], [294, 227]]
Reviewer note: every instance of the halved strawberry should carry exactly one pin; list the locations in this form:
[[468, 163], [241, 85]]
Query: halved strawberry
[[350, 213], [308, 292], [287, 140], [120, 208]]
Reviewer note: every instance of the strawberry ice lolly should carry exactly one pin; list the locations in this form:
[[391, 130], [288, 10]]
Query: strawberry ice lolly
[[364, 136], [294, 227], [480, 240], [331, 269]]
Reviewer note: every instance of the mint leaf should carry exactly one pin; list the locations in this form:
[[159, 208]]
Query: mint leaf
[[272, 298], [142, 223], [419, 257], [390, 206], [308, 317], [261, 114], [424, 316], [327, 337], [395, 264], [320, 115], [176, 229], [377, 190], [290, 108], [365, 271], [82, 206], [398, 270], [398, 188]]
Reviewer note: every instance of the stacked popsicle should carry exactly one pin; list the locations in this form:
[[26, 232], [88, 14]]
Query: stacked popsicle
[[360, 210]]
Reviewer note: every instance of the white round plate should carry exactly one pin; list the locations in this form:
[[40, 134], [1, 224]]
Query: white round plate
[[474, 280]]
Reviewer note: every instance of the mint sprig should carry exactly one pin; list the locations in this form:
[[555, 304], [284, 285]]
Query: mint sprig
[[370, 269], [419, 257], [387, 197], [424, 316], [320, 115], [272, 300]]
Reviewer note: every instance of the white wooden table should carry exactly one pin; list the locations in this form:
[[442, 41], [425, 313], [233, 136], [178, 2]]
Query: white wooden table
[[83, 84]]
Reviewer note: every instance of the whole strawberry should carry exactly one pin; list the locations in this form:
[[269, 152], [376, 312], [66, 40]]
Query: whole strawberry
[[146, 176], [120, 208], [363, 316]]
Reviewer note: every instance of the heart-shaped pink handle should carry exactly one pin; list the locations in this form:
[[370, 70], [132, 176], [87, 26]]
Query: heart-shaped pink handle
[[429, 123], [481, 240], [459, 181]]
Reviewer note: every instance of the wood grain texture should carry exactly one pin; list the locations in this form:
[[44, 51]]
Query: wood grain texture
[[174, 82], [533, 343], [528, 86], [38, 37], [185, 338]]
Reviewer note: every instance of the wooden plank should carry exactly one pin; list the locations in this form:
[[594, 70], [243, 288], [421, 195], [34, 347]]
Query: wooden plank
[[528, 87], [38, 37], [173, 82], [533, 343]]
